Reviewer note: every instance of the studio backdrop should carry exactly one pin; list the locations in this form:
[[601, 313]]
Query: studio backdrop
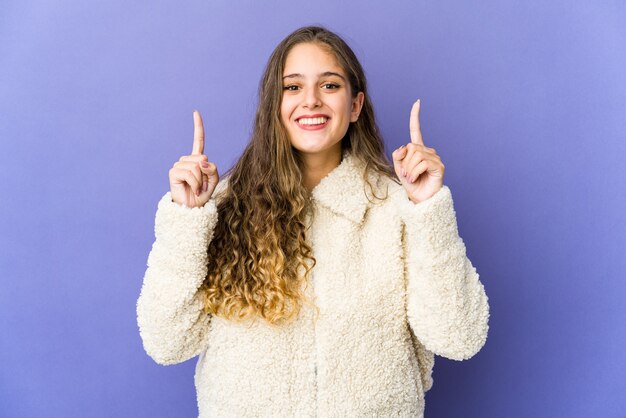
[[525, 102]]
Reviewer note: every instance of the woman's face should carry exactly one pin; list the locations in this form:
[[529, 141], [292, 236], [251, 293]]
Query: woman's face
[[317, 105]]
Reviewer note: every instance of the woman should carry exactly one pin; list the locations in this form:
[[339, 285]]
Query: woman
[[311, 281]]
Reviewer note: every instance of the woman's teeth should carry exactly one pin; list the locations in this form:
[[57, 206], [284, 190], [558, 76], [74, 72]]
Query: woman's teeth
[[312, 121]]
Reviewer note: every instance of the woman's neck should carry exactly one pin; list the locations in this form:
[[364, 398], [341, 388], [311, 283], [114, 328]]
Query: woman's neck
[[315, 167]]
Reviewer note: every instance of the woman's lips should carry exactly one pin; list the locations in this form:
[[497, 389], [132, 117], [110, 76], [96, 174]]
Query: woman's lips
[[313, 127]]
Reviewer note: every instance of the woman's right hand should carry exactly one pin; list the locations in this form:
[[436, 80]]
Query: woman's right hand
[[193, 178]]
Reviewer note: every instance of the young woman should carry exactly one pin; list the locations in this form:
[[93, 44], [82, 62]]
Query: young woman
[[310, 280]]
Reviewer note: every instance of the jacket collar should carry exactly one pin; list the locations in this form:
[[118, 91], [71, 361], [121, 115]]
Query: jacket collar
[[343, 190]]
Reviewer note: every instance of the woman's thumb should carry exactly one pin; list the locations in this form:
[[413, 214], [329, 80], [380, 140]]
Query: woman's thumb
[[209, 170]]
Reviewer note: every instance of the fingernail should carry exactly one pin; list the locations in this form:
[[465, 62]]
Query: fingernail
[[205, 164], [205, 186]]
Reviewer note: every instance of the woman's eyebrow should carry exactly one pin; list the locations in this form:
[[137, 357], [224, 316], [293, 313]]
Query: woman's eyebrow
[[324, 74]]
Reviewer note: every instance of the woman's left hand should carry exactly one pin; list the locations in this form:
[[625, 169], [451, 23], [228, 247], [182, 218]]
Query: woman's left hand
[[418, 167]]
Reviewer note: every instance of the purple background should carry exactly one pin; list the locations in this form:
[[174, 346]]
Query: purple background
[[524, 101]]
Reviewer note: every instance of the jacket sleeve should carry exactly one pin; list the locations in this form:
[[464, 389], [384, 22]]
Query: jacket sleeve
[[170, 314], [447, 307]]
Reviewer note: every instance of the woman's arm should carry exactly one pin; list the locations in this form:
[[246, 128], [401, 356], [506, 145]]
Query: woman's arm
[[447, 306], [170, 314]]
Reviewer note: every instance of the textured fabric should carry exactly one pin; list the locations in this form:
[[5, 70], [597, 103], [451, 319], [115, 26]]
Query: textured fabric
[[394, 288]]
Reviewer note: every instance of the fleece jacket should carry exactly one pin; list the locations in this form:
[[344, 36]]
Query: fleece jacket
[[393, 285]]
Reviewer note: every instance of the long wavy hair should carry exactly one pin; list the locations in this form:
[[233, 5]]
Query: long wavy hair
[[259, 257]]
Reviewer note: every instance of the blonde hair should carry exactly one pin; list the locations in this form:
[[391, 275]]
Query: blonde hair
[[259, 257]]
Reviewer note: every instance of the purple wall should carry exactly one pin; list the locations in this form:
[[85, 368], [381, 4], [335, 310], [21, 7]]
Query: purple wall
[[524, 101]]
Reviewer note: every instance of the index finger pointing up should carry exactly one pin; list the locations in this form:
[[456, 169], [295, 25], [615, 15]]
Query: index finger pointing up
[[198, 134], [414, 124]]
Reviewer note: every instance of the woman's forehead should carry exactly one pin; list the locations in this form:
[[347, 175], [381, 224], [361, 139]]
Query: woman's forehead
[[309, 59]]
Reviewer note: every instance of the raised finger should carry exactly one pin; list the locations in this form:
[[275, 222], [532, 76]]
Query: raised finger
[[198, 134], [194, 158], [414, 124]]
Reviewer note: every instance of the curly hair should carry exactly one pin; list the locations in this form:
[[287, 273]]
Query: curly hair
[[259, 257]]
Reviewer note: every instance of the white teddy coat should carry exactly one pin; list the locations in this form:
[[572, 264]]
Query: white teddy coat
[[393, 284]]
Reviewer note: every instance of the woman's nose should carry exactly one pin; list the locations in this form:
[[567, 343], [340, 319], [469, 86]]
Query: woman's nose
[[311, 98]]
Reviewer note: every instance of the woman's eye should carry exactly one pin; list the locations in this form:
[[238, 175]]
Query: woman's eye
[[290, 88], [331, 86]]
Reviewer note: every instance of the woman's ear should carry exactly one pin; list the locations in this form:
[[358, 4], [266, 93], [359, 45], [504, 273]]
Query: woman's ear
[[357, 105]]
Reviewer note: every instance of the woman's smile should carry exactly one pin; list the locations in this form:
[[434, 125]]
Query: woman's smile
[[312, 122]]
